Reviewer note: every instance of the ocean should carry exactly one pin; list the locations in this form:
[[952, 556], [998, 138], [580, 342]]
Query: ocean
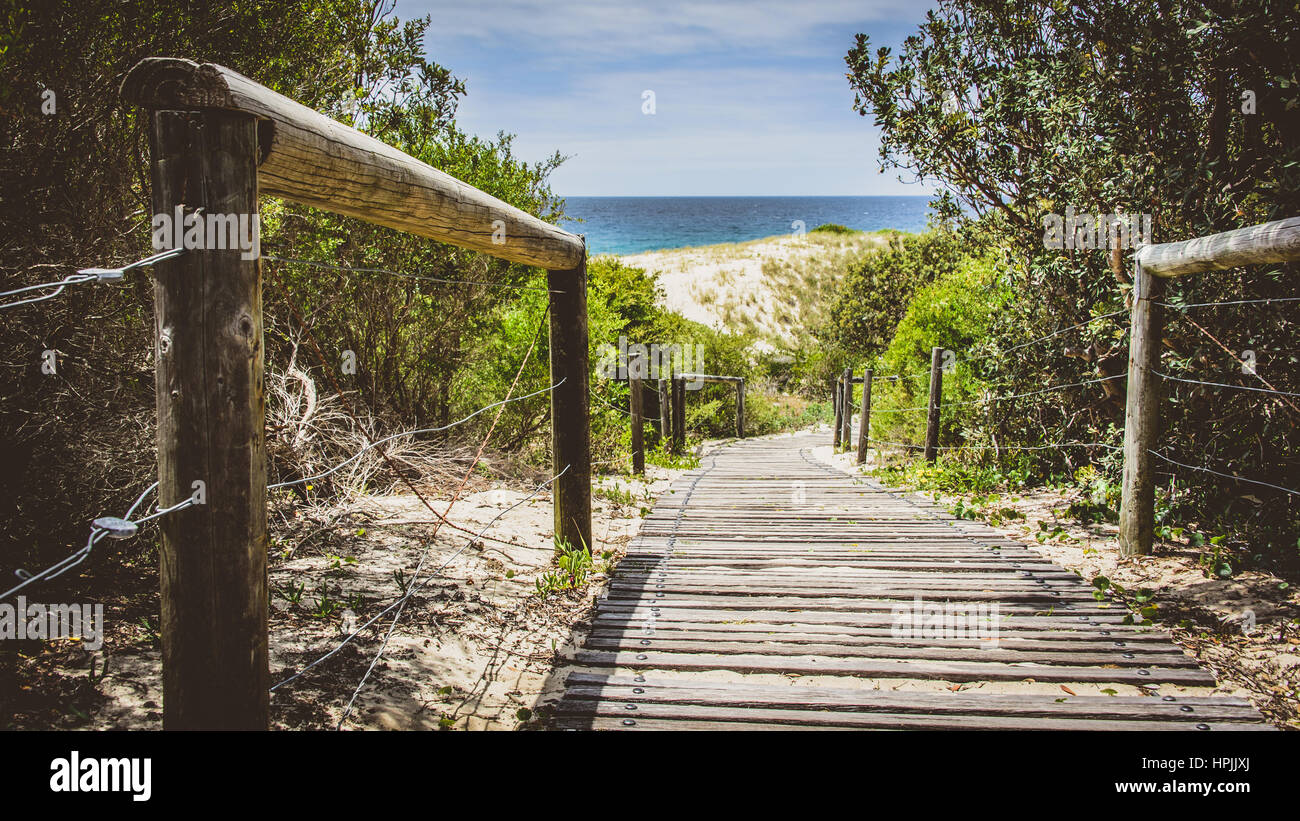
[[631, 225]]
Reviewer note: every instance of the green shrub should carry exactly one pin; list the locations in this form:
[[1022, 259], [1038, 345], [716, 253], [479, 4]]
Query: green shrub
[[954, 313]]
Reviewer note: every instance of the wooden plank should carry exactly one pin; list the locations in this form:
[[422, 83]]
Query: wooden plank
[[701, 717], [989, 652], [1081, 604], [797, 631], [953, 671], [591, 687], [729, 584], [863, 616], [312, 159]]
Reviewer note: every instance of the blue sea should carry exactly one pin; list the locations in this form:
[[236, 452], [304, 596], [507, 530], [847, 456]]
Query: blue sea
[[630, 225]]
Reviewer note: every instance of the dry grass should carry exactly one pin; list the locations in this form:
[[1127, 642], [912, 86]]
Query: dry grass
[[775, 288]]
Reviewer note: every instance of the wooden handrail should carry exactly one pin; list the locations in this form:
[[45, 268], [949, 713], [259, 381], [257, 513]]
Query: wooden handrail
[[1259, 244], [217, 139], [1267, 243], [309, 158]]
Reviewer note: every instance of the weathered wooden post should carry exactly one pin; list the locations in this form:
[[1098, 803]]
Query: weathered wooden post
[[678, 393], [211, 411], [635, 368], [839, 414], [1141, 415], [661, 421], [936, 394], [864, 424], [846, 419], [570, 405], [740, 409]]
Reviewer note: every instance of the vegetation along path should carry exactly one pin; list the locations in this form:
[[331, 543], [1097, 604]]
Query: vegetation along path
[[768, 588]]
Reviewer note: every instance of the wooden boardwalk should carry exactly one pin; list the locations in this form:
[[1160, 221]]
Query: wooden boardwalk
[[764, 592]]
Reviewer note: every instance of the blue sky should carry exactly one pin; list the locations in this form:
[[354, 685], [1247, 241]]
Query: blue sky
[[750, 97]]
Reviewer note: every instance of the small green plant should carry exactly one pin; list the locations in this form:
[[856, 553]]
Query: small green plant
[[1140, 602], [1216, 562], [337, 563], [326, 605], [1100, 502], [615, 494], [986, 507], [292, 593], [1052, 532], [574, 566], [672, 461]]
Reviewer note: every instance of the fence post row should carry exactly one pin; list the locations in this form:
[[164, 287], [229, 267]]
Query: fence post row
[[218, 139], [1268, 243]]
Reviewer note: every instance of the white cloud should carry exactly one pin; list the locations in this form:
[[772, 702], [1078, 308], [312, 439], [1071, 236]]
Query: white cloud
[[660, 28], [751, 97]]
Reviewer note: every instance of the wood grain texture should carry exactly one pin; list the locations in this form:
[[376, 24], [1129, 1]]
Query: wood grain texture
[[936, 398], [1271, 242], [1141, 416], [636, 370], [208, 322], [864, 423], [570, 405], [677, 391], [312, 159], [846, 419], [837, 426]]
